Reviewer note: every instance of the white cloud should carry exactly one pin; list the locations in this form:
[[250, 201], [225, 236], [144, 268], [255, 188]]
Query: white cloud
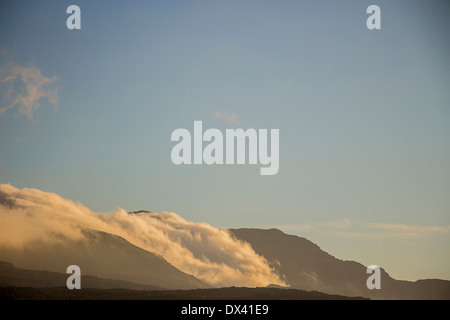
[[25, 88], [208, 253]]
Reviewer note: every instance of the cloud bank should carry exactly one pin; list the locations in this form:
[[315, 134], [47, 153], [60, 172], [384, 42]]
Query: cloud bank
[[24, 88], [347, 228], [210, 254]]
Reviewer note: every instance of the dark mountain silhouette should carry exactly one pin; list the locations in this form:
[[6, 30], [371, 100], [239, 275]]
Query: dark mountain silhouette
[[305, 266], [103, 255], [11, 276]]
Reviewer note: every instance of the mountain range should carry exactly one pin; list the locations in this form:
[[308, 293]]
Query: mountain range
[[111, 262], [42, 233]]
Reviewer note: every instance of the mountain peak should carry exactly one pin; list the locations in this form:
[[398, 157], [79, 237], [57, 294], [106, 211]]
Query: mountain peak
[[140, 211]]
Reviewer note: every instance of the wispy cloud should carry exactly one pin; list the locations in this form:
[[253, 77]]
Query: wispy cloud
[[416, 230], [347, 228], [317, 226], [24, 88], [231, 118]]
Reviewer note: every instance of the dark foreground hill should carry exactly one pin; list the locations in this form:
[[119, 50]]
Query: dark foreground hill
[[305, 266], [11, 276], [25, 284], [62, 293]]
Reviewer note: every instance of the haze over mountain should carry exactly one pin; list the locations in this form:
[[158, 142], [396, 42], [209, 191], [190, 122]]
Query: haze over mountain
[[104, 255]]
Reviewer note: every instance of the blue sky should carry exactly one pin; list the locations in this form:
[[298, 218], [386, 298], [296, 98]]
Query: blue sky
[[364, 116]]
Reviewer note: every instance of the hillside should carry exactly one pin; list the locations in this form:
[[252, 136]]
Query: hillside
[[103, 255]]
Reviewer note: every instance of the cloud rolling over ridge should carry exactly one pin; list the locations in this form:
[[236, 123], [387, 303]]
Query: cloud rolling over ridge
[[210, 254]]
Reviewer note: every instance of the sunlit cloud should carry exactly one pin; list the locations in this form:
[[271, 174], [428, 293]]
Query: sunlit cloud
[[24, 88]]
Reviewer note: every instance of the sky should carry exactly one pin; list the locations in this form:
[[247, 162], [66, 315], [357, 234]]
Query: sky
[[363, 116]]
